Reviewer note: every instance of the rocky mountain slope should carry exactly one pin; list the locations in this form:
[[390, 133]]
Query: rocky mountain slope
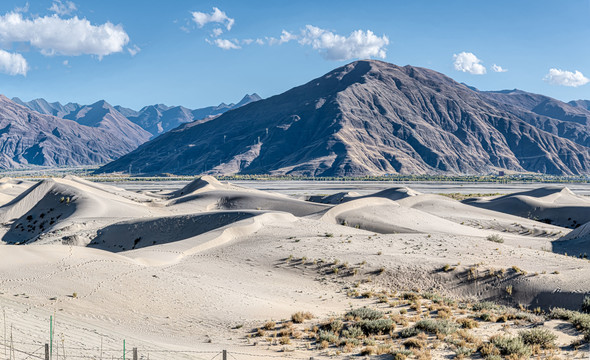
[[372, 117], [30, 138]]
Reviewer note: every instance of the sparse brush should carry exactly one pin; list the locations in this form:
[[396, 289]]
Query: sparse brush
[[300, 316], [468, 323], [414, 343], [269, 325]]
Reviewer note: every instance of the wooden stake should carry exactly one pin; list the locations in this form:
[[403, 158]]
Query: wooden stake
[[46, 351], [134, 353]]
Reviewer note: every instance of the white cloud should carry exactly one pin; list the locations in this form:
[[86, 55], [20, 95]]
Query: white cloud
[[63, 8], [226, 44], [217, 32], [13, 64], [565, 78], [259, 41], [359, 44], [247, 41], [498, 68], [133, 50], [66, 62], [54, 35], [217, 16], [286, 37], [468, 62]]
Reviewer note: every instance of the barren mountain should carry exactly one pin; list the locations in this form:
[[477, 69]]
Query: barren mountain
[[155, 119], [30, 138], [368, 117], [158, 119]]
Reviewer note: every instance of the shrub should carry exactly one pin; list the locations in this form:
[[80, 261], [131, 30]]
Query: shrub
[[328, 336], [511, 346], [365, 313], [269, 325], [468, 323], [495, 238], [353, 332], [485, 305], [436, 326], [542, 337], [379, 326], [414, 343], [301, 316], [409, 332]]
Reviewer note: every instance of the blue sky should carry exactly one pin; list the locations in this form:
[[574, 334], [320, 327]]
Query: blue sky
[[81, 51]]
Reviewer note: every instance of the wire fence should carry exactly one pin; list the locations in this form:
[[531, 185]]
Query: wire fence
[[26, 351]]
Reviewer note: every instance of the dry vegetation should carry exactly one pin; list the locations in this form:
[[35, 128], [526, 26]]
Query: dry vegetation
[[413, 325]]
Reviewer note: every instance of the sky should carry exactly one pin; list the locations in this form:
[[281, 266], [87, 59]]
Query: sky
[[199, 53]]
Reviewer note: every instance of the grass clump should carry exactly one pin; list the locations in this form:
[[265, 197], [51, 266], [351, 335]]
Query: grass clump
[[365, 313], [328, 336], [542, 337], [300, 316]]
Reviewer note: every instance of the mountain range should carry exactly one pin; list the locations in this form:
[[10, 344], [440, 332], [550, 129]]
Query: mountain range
[[374, 118], [155, 119], [29, 138]]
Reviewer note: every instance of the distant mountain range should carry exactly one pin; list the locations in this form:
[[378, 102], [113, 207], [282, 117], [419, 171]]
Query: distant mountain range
[[29, 138], [374, 118], [155, 119]]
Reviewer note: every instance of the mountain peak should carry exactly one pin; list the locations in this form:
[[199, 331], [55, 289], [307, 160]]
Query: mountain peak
[[368, 117]]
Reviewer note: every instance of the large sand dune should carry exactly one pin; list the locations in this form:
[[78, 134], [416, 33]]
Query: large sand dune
[[553, 204], [196, 268]]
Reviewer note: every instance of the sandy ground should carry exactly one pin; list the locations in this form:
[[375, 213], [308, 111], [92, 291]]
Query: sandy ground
[[191, 270]]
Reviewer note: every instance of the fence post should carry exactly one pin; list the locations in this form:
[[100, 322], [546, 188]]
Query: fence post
[[46, 351], [224, 354], [134, 353]]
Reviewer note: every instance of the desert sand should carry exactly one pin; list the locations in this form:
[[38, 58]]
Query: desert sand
[[187, 273]]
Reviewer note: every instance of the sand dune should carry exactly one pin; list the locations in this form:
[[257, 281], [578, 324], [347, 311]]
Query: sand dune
[[55, 207], [394, 193], [481, 218], [385, 216], [552, 204], [199, 267]]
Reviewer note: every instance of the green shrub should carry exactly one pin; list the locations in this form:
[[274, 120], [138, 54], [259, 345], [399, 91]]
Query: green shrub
[[409, 332], [353, 332], [326, 335], [511, 346], [543, 337], [379, 326], [365, 313], [436, 326]]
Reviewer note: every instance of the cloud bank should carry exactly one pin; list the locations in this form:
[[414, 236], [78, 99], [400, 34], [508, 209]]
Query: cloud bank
[[54, 35], [565, 78]]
